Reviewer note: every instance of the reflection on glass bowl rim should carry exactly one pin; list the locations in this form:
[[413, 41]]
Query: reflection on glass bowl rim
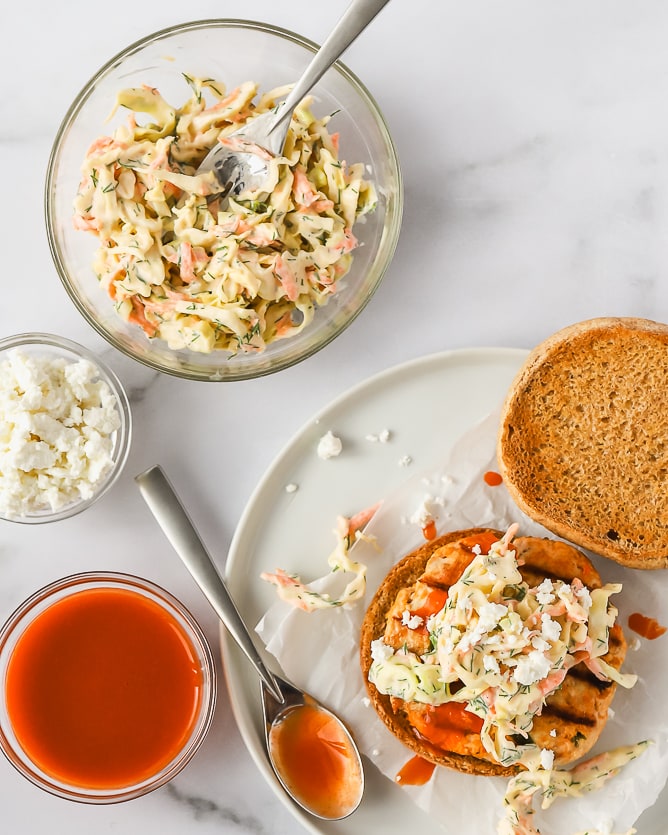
[[233, 51]]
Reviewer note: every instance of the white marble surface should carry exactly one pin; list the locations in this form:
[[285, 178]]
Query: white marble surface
[[534, 144]]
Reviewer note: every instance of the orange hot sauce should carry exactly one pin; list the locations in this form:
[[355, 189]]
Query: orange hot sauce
[[429, 530], [102, 689], [649, 628], [492, 478], [416, 772], [443, 725], [317, 761], [483, 540]]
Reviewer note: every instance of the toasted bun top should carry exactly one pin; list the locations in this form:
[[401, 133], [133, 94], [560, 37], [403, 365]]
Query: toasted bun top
[[583, 439]]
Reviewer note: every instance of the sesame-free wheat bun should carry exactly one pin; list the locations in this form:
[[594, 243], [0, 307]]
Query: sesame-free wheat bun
[[583, 438], [573, 716]]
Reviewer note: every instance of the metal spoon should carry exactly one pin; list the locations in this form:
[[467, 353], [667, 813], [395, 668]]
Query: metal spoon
[[237, 161], [279, 698]]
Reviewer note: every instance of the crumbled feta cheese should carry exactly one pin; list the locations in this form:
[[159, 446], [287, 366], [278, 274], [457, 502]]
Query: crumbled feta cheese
[[553, 732], [57, 431], [538, 642], [584, 598], [329, 446], [366, 701], [546, 759], [545, 592], [490, 614], [380, 651], [550, 629], [531, 667], [465, 606], [382, 437], [424, 512], [291, 488], [411, 621], [405, 461]]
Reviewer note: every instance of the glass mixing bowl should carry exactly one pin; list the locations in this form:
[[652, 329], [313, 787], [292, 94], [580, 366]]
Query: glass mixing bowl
[[232, 51]]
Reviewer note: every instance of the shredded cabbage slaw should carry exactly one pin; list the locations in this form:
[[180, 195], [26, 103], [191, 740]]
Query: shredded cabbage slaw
[[510, 646], [292, 589], [195, 274]]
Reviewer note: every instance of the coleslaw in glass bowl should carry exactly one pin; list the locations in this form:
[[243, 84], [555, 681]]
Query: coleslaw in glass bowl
[[162, 268]]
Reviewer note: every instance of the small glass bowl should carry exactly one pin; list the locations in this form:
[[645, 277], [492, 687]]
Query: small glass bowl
[[232, 51], [181, 620], [54, 347]]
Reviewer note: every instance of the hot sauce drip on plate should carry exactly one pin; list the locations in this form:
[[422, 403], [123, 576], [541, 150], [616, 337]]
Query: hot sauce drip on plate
[[316, 761], [102, 689], [492, 478], [429, 531], [416, 772], [649, 628]]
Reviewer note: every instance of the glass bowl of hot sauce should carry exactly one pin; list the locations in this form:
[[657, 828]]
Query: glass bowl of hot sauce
[[108, 687]]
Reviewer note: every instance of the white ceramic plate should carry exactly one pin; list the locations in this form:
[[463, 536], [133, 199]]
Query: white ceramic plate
[[427, 405]]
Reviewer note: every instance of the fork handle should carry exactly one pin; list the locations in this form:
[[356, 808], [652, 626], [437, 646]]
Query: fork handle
[[173, 518], [356, 18]]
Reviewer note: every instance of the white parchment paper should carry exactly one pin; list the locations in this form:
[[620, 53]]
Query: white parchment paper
[[320, 652]]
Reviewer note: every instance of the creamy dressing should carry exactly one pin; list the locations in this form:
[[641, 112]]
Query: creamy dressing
[[292, 589], [582, 779], [509, 645], [195, 275], [506, 647]]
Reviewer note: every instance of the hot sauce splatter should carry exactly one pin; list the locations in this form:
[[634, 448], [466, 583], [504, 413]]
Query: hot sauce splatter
[[429, 530], [444, 725], [649, 628], [492, 479], [429, 604], [416, 772]]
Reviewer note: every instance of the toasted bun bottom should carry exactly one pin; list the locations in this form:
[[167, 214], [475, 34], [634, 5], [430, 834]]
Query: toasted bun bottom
[[578, 710], [404, 574]]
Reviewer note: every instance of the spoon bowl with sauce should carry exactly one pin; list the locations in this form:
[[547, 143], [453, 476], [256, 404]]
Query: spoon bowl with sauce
[[311, 751]]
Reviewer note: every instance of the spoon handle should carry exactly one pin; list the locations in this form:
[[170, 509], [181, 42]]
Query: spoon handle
[[172, 517], [355, 19]]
